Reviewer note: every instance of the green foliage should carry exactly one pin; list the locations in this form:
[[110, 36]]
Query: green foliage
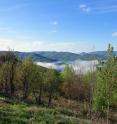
[[38, 83], [24, 79], [68, 74], [106, 87], [74, 86], [7, 72], [24, 76]]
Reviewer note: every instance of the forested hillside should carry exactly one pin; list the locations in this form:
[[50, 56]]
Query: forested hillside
[[33, 94]]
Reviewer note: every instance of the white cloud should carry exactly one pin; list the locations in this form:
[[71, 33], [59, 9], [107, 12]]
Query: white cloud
[[5, 44], [84, 8], [55, 23], [101, 6], [114, 34]]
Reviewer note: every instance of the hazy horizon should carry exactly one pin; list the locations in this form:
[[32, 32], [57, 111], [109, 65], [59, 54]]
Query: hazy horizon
[[54, 51]]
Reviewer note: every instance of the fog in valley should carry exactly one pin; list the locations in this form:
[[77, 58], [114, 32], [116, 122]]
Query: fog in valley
[[80, 66]]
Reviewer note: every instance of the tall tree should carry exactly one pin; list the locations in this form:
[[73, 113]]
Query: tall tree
[[37, 84], [106, 87], [52, 83], [24, 76], [8, 63]]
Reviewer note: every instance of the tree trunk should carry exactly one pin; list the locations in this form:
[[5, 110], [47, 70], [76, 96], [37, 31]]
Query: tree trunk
[[40, 95], [12, 87], [25, 92], [50, 99], [36, 99], [108, 114], [6, 89]]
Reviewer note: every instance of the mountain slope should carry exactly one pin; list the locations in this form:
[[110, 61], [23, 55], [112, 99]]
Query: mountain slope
[[33, 55], [48, 56], [60, 56], [68, 56]]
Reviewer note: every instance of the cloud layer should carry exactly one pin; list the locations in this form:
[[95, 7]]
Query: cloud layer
[[6, 44]]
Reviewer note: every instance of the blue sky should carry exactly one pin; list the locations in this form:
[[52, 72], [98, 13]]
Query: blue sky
[[58, 25]]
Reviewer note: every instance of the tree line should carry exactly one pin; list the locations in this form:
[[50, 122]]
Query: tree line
[[24, 79]]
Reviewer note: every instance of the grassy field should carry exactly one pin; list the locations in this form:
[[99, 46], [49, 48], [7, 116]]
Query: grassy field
[[12, 112]]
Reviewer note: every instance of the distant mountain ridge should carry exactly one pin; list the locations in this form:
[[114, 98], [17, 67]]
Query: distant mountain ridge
[[48, 56], [69, 56], [33, 55]]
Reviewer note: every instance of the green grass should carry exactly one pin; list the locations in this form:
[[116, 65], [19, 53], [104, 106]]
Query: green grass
[[21, 113]]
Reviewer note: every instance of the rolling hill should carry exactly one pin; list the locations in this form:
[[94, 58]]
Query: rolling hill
[[48, 56], [68, 56]]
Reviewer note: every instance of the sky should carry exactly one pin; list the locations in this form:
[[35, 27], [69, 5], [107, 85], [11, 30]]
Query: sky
[[58, 25]]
